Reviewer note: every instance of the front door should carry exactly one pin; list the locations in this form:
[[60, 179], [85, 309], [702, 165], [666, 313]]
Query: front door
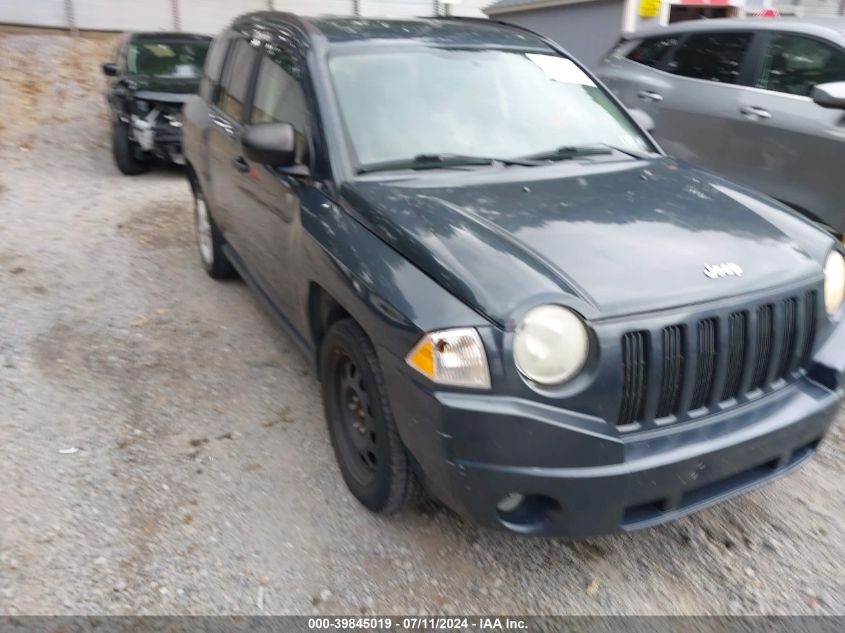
[[269, 205], [690, 110], [224, 143], [782, 143]]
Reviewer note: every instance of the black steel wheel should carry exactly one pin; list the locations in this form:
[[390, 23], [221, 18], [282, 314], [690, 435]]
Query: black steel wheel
[[355, 420], [374, 463]]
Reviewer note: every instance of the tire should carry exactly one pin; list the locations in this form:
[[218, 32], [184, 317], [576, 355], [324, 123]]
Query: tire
[[374, 463], [126, 152], [210, 240]]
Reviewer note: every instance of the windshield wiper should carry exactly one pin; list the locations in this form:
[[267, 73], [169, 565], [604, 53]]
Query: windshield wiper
[[577, 151], [440, 161]]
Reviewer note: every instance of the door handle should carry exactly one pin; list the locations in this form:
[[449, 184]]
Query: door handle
[[754, 113], [240, 164], [649, 95]]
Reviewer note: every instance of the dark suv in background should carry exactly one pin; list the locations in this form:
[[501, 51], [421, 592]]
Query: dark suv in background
[[512, 297], [151, 78], [760, 101]]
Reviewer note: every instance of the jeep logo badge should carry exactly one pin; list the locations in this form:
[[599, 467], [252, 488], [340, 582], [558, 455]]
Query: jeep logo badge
[[715, 271]]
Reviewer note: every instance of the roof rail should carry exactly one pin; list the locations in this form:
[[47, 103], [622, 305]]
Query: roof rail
[[511, 25]]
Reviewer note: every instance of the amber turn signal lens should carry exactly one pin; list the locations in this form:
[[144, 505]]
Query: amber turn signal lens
[[452, 357]]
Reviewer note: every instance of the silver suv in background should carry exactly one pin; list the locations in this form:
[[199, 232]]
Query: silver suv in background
[[760, 101]]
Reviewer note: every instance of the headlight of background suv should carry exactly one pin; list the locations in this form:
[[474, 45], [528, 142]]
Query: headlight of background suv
[[551, 345], [834, 282], [452, 357]]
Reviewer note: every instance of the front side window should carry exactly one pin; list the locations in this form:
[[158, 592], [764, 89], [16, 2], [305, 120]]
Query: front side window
[[235, 81], [651, 51], [795, 65], [279, 97], [213, 66], [182, 60], [214, 61], [711, 56], [398, 104]]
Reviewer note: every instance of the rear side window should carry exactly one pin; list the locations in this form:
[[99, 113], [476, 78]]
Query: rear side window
[[795, 65], [214, 61], [652, 50], [235, 82], [213, 67], [711, 56]]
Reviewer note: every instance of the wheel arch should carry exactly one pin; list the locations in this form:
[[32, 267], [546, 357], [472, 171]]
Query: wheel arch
[[192, 176], [323, 311]]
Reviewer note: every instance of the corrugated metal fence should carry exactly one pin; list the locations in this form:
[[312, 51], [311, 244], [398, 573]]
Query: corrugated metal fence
[[205, 16]]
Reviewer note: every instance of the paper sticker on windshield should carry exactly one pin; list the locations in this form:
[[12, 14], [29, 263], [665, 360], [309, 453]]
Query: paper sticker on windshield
[[561, 69]]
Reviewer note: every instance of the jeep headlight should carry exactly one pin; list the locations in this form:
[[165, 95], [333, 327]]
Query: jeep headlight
[[834, 282], [452, 357], [551, 345]]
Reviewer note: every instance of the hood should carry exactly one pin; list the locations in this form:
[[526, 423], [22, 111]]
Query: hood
[[165, 89], [607, 238]]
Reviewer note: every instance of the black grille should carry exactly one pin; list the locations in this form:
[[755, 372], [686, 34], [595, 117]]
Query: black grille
[[717, 359], [705, 368], [810, 317], [737, 335], [633, 376], [765, 338], [787, 347], [673, 370]]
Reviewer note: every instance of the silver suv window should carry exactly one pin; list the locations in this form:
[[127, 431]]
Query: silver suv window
[[651, 51], [795, 65], [711, 56]]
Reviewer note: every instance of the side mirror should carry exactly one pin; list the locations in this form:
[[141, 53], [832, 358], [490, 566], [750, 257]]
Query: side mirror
[[643, 119], [271, 144], [110, 70], [830, 95]]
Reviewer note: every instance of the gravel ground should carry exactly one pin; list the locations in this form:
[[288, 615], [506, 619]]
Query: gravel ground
[[204, 481]]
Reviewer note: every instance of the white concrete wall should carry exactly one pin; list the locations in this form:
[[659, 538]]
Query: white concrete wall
[[40, 13], [813, 8], [204, 16]]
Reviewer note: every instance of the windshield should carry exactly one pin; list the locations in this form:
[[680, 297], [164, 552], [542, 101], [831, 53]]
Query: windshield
[[404, 103], [167, 59]]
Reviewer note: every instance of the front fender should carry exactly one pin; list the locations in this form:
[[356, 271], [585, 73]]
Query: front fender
[[389, 297]]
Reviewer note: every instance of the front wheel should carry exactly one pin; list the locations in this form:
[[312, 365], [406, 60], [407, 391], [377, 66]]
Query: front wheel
[[127, 155], [373, 461], [210, 241]]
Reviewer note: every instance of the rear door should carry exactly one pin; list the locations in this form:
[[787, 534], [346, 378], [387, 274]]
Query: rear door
[[268, 206], [633, 66], [700, 86], [782, 143], [226, 163]]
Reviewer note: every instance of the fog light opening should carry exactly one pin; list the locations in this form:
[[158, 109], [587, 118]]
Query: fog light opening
[[510, 502], [526, 513]]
